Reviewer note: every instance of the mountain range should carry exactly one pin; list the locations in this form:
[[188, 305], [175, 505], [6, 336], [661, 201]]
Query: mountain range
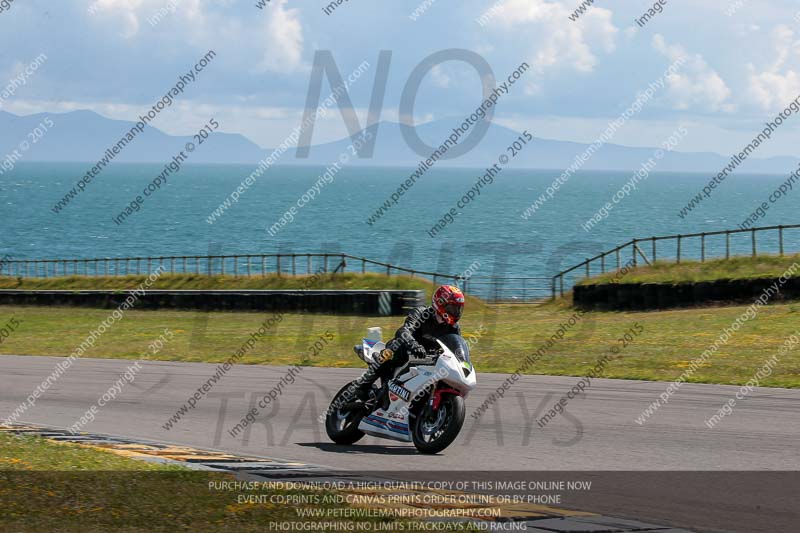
[[84, 136]]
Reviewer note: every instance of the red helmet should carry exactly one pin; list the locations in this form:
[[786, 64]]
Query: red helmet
[[448, 302]]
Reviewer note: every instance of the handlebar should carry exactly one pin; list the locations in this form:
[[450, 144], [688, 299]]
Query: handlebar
[[430, 358]]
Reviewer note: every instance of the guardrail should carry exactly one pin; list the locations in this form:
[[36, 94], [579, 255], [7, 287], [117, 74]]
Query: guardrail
[[634, 249]]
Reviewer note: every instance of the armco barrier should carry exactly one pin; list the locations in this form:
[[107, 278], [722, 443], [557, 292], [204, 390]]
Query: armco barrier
[[623, 296], [356, 302]]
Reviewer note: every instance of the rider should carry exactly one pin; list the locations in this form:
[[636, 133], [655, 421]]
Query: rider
[[422, 325]]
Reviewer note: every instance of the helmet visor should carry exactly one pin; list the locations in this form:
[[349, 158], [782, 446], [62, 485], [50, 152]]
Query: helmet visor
[[454, 310]]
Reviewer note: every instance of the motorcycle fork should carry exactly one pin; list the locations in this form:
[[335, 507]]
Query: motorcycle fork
[[436, 398]]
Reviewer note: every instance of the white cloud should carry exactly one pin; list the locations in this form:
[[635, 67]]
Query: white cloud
[[696, 83], [439, 77], [283, 34], [275, 35], [555, 40], [778, 83], [125, 10]]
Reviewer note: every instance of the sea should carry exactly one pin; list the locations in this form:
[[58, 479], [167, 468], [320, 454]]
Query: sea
[[488, 236]]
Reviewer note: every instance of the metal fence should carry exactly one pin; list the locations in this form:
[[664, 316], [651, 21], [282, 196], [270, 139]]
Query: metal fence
[[492, 289], [511, 290], [233, 265], [693, 247]]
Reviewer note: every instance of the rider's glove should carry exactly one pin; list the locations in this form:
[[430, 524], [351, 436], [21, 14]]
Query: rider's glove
[[418, 351]]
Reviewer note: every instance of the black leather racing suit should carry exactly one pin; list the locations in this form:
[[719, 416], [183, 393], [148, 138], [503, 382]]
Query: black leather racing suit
[[414, 338]]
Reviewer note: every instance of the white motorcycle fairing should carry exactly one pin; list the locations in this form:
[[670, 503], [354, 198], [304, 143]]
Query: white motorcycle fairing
[[393, 423]]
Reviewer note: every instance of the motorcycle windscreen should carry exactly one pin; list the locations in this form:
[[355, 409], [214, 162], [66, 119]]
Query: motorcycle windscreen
[[457, 345]]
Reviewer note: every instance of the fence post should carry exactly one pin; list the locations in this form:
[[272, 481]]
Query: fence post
[[654, 249], [294, 264], [603, 263], [780, 239], [326, 263], [278, 267], [561, 278], [248, 266], [678, 258], [235, 266], [363, 265], [308, 265], [344, 263], [727, 244], [635, 259], [587, 267], [171, 265], [753, 238], [149, 262], [703, 247]]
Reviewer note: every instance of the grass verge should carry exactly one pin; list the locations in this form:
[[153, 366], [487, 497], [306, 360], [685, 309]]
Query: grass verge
[[344, 281], [669, 340], [766, 266], [48, 486]]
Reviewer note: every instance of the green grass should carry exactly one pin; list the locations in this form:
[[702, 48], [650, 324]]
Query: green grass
[[201, 282], [48, 486], [27, 453], [671, 339], [767, 266]]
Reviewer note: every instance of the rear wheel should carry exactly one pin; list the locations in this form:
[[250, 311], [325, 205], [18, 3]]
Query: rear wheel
[[341, 423], [434, 431]]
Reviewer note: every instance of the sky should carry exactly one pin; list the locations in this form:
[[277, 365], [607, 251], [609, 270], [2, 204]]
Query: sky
[[740, 65]]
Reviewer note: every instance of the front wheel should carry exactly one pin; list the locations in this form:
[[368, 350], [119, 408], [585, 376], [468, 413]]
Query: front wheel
[[341, 424], [432, 432]]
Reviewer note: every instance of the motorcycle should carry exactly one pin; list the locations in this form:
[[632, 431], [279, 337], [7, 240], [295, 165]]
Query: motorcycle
[[422, 403]]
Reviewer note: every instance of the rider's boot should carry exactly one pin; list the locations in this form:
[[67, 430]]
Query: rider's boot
[[365, 384]]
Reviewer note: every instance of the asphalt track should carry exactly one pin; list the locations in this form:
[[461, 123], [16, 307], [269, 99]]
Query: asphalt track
[[598, 432]]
